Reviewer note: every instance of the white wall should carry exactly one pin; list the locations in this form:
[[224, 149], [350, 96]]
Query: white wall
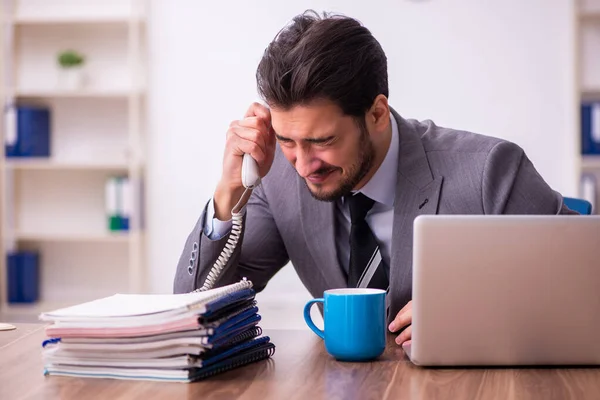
[[502, 68]]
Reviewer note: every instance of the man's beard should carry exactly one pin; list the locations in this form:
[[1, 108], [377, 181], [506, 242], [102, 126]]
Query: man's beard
[[356, 172]]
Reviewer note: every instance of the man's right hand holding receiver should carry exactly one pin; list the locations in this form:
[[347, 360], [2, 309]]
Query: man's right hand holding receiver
[[252, 135]]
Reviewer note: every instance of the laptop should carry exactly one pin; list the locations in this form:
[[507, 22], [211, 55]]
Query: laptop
[[506, 290]]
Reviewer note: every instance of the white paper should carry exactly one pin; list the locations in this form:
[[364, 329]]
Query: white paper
[[126, 198], [111, 197], [596, 122], [10, 138]]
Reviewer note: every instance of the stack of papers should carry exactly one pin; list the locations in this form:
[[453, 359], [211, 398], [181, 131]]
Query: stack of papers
[[174, 337]]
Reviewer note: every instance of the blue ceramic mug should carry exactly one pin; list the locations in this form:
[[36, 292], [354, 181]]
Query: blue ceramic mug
[[354, 322]]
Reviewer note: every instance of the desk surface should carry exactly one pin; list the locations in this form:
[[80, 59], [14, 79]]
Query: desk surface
[[300, 369]]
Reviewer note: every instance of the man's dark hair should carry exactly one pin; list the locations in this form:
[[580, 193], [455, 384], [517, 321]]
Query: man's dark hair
[[332, 57]]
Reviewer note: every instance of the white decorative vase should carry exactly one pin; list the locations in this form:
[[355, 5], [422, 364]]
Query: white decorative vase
[[72, 78]]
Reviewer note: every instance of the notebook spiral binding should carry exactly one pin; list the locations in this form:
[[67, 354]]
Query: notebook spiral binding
[[214, 322], [249, 334], [243, 284], [254, 332], [50, 341], [259, 354]]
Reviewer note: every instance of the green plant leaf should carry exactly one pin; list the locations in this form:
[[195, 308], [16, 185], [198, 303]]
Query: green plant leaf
[[70, 58]]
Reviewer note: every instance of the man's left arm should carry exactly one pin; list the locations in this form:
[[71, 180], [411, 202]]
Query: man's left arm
[[512, 185]]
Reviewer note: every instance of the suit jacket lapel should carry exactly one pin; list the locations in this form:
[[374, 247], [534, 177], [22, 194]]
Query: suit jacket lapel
[[417, 193], [318, 224]]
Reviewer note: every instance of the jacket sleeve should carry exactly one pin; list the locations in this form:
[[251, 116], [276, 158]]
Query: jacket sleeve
[[512, 185], [258, 255]]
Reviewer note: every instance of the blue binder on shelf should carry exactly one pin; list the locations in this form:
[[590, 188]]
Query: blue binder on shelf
[[23, 277], [590, 128], [28, 132]]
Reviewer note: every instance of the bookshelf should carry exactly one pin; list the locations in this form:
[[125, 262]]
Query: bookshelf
[[587, 84], [57, 205], [49, 164], [589, 14], [74, 19], [81, 94]]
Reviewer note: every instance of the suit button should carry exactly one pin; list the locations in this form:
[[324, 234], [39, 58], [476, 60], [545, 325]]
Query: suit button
[[195, 246], [194, 255], [190, 270]]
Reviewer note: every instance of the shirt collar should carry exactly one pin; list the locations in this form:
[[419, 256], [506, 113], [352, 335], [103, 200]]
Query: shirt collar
[[382, 186]]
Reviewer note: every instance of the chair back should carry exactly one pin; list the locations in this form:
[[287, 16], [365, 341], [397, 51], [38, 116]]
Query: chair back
[[582, 206]]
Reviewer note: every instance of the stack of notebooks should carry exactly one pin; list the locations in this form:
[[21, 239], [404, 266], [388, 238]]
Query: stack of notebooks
[[174, 337]]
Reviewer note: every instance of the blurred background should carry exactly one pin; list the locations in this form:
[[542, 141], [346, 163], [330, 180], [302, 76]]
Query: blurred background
[[115, 113]]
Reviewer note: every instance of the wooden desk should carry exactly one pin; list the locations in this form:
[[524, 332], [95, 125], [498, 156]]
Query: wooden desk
[[7, 337], [300, 369]]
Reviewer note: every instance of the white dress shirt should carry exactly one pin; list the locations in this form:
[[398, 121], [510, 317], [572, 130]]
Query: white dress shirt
[[381, 188]]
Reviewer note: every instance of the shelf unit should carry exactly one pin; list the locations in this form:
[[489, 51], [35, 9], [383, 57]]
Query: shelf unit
[[587, 81], [588, 14], [114, 19], [49, 164], [79, 94], [57, 205]]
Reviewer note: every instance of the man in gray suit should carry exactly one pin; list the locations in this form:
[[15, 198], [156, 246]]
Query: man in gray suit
[[344, 175]]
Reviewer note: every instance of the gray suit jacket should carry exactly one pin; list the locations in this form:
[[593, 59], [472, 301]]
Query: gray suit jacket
[[440, 171]]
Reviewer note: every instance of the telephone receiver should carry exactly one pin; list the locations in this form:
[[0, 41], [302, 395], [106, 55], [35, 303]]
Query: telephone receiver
[[250, 175], [250, 180]]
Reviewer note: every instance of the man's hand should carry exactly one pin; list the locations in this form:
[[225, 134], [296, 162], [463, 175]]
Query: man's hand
[[252, 135], [403, 321]]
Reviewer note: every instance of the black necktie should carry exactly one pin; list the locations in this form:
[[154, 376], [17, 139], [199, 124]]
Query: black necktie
[[366, 264]]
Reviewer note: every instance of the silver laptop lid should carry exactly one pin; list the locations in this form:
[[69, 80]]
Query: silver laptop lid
[[506, 290]]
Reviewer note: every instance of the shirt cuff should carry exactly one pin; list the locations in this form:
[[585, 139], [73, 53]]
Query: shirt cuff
[[214, 228]]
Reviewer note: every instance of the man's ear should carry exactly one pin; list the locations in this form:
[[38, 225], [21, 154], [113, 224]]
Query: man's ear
[[378, 116]]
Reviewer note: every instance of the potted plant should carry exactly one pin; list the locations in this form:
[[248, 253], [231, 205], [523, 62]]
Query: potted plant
[[71, 69]]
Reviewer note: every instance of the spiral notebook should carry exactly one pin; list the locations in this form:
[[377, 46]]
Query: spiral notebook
[[195, 344], [259, 352], [127, 315], [157, 337], [215, 332], [182, 361], [143, 309]]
